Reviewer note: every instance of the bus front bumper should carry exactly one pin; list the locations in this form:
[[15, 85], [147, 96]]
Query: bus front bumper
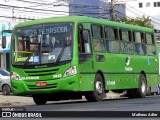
[[29, 87]]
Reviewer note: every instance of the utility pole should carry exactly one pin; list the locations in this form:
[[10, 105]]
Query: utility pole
[[112, 10], [13, 14]]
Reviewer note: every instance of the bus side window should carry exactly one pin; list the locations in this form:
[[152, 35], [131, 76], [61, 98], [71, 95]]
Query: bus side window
[[84, 42], [109, 34], [124, 35], [150, 46], [116, 34], [111, 39], [126, 44], [140, 48], [98, 38]]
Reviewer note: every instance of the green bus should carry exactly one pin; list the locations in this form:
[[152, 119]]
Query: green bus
[[69, 57]]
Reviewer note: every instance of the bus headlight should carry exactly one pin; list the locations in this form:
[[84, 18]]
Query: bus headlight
[[71, 71], [15, 76]]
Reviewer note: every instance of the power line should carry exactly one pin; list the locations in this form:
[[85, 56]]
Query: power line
[[48, 11], [38, 9], [62, 4], [44, 10], [139, 12], [16, 17]]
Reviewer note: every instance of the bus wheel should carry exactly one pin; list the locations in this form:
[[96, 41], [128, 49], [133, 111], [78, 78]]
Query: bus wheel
[[98, 93], [131, 93], [142, 87], [39, 99]]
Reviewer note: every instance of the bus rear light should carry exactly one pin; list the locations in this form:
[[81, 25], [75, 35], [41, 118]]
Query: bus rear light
[[15, 76], [71, 71]]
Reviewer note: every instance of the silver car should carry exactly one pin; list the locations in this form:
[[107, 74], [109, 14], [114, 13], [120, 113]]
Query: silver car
[[5, 84]]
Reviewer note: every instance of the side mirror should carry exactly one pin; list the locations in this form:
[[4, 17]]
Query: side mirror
[[3, 41]]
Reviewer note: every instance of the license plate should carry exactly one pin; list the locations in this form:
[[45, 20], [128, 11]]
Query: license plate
[[41, 83]]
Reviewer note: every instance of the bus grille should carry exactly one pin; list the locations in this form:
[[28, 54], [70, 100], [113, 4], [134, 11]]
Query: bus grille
[[41, 72]]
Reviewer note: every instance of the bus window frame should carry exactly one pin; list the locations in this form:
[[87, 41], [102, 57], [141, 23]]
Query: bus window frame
[[153, 43], [115, 39], [128, 41], [140, 44], [101, 39], [83, 55]]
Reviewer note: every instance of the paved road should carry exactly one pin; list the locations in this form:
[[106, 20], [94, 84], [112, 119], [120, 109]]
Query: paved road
[[151, 103]]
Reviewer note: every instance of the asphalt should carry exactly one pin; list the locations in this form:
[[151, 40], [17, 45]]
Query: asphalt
[[12, 100]]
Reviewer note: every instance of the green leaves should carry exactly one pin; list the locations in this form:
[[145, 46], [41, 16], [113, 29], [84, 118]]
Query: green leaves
[[144, 21]]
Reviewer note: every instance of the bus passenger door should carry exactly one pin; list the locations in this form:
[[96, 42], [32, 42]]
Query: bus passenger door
[[85, 59]]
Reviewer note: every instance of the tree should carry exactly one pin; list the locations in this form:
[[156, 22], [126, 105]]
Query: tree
[[144, 21]]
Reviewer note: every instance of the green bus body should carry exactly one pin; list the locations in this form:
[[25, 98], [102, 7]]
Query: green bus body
[[118, 70]]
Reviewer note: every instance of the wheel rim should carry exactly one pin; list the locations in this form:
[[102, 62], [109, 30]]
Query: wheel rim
[[143, 87], [99, 87], [4, 90]]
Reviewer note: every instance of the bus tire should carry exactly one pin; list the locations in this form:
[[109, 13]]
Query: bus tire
[[39, 99], [131, 93], [99, 92], [142, 87]]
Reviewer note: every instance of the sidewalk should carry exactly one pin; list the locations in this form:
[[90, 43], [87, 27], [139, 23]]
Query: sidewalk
[[11, 100]]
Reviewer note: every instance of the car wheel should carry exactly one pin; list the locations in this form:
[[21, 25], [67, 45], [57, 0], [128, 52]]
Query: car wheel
[[6, 90], [158, 90], [148, 91]]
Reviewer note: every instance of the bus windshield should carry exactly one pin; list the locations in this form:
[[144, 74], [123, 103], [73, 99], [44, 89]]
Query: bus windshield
[[42, 44]]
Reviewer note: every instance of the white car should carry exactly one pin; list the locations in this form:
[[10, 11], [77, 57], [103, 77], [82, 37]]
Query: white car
[[153, 90], [5, 84]]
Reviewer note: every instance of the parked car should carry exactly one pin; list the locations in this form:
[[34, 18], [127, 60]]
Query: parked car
[[5, 84], [155, 89]]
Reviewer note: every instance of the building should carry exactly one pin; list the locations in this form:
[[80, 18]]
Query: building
[[146, 8]]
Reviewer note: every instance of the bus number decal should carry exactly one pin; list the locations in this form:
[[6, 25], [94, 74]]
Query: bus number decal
[[57, 76]]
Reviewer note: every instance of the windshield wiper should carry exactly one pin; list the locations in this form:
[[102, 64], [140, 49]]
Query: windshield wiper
[[60, 53]]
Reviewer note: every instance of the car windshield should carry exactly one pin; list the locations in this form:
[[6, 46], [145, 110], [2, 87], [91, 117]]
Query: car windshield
[[42, 44], [4, 72]]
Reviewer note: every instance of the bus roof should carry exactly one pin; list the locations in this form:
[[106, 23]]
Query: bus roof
[[84, 19]]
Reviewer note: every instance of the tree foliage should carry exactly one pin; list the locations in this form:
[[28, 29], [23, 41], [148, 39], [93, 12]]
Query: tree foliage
[[144, 21]]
